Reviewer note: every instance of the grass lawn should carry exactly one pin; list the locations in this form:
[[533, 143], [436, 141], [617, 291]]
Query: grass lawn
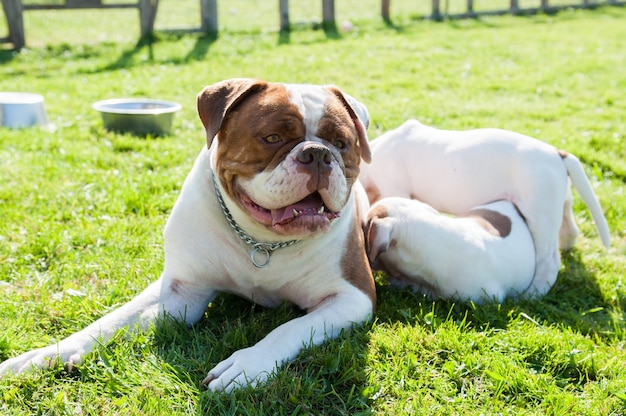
[[82, 210]]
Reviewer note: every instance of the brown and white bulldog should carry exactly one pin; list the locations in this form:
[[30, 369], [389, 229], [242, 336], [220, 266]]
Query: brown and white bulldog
[[271, 211]]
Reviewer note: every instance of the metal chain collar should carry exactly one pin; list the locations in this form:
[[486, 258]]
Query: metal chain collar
[[262, 250]]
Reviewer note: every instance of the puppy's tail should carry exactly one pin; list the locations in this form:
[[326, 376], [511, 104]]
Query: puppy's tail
[[583, 186]]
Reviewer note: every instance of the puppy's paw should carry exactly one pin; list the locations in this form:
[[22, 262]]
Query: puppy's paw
[[246, 367]]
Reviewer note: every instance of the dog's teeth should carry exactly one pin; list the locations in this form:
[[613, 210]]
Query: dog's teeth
[[321, 210], [296, 212]]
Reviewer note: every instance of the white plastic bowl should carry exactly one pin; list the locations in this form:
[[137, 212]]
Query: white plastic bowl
[[137, 115], [22, 109]]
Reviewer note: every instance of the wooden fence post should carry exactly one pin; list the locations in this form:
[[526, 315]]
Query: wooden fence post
[[436, 12], [328, 12], [13, 11], [208, 16], [283, 10], [147, 15], [384, 10]]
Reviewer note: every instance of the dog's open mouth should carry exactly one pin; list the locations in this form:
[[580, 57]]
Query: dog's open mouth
[[307, 215]]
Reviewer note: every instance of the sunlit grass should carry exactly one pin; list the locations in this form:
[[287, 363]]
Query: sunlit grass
[[82, 211]]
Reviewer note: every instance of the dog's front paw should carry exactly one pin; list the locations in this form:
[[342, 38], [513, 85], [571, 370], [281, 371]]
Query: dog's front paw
[[68, 355], [246, 367]]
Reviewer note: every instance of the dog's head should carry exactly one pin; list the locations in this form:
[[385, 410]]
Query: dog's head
[[287, 155], [388, 224]]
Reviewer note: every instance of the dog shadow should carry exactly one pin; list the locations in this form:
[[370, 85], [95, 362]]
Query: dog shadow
[[337, 369], [575, 301]]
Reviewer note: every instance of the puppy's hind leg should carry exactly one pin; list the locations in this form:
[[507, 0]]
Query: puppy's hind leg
[[547, 255], [543, 218], [568, 233]]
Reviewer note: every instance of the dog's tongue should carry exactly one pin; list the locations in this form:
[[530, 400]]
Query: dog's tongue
[[309, 205]]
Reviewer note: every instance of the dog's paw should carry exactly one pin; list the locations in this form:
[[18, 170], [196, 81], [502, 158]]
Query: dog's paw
[[246, 367], [42, 358]]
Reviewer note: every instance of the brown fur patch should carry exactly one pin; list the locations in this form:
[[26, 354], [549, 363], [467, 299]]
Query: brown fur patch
[[562, 153], [379, 211], [362, 143], [493, 222], [215, 101], [354, 263], [243, 150], [267, 111], [337, 126]]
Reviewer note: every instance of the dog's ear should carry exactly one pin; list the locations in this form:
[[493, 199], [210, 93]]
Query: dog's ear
[[377, 232], [360, 117], [215, 101], [378, 237]]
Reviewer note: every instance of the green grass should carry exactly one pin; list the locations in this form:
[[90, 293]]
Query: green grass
[[82, 211]]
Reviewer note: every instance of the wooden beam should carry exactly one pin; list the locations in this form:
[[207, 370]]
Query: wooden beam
[[79, 6]]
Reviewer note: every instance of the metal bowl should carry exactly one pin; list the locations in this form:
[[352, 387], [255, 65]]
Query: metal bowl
[[22, 109], [139, 116]]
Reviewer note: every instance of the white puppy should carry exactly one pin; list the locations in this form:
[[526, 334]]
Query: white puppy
[[455, 171], [486, 254]]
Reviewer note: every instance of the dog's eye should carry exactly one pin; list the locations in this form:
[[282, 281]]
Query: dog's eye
[[339, 144], [272, 138]]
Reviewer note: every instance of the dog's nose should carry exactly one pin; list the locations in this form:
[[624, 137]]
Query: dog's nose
[[315, 154]]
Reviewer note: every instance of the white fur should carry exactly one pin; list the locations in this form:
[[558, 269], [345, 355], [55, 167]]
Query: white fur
[[451, 257], [456, 170], [203, 257]]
